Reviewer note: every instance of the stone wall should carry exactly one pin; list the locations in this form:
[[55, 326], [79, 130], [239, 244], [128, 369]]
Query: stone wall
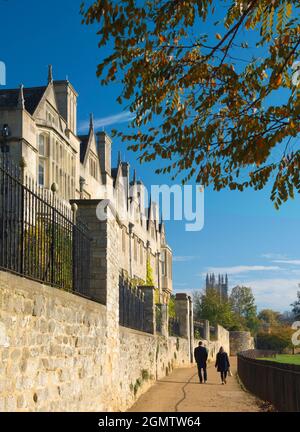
[[145, 358], [52, 349], [240, 341], [213, 346], [62, 352]]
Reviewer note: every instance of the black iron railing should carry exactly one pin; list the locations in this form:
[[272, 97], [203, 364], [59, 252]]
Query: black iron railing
[[199, 332], [39, 235], [274, 382], [131, 305], [174, 327], [158, 318]]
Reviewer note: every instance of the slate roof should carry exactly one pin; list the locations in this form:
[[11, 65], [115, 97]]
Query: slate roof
[[84, 140], [32, 96]]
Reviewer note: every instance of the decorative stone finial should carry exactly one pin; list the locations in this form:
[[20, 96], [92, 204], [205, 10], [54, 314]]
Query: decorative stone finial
[[54, 187], [50, 75], [74, 207], [21, 100], [91, 122], [22, 163]]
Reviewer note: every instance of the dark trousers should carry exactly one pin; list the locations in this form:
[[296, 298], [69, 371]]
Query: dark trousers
[[223, 375], [200, 367]]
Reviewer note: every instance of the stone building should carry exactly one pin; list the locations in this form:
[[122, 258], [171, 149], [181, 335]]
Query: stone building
[[39, 125], [220, 284]]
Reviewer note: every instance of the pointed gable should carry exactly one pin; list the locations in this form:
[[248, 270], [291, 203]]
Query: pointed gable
[[88, 145], [49, 97]]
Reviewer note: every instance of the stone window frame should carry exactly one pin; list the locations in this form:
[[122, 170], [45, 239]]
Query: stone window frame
[[163, 263], [43, 152]]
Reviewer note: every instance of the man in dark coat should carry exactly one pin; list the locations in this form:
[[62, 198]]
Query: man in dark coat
[[201, 355]]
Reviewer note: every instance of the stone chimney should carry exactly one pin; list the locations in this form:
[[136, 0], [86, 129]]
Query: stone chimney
[[104, 149]]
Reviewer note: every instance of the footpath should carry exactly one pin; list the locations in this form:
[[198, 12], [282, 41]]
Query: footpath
[[181, 392]]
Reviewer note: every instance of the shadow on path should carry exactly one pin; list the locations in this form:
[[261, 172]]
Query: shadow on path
[[182, 392]]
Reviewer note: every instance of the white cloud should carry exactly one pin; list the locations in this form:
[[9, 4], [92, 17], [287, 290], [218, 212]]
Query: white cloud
[[123, 117], [274, 256], [240, 269], [179, 284], [183, 258], [274, 293], [286, 261]]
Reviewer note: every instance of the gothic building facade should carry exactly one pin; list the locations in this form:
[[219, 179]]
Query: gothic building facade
[[218, 283], [39, 126]]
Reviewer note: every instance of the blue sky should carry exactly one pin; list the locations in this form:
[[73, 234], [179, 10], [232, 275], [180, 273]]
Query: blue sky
[[243, 234]]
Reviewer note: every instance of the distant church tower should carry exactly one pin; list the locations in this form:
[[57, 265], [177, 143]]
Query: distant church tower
[[220, 285]]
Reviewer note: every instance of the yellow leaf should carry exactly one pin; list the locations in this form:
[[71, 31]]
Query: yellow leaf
[[218, 36], [248, 23], [278, 80]]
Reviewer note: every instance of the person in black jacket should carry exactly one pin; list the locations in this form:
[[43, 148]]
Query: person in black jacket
[[222, 363], [201, 354]]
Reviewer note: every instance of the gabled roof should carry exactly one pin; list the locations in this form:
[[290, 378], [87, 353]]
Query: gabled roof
[[32, 97]]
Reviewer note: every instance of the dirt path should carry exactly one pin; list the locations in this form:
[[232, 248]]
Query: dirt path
[[181, 392]]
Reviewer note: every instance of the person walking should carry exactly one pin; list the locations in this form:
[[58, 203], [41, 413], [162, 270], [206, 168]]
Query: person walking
[[201, 354], [223, 365]]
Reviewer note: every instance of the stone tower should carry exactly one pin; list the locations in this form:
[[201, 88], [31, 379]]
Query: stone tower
[[220, 284]]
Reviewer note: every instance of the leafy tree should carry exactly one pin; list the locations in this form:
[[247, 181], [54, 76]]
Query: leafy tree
[[243, 305], [213, 86], [149, 274], [296, 307], [208, 306], [269, 316], [277, 341], [287, 317], [39, 258]]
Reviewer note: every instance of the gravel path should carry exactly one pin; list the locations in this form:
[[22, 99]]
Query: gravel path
[[181, 392]]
